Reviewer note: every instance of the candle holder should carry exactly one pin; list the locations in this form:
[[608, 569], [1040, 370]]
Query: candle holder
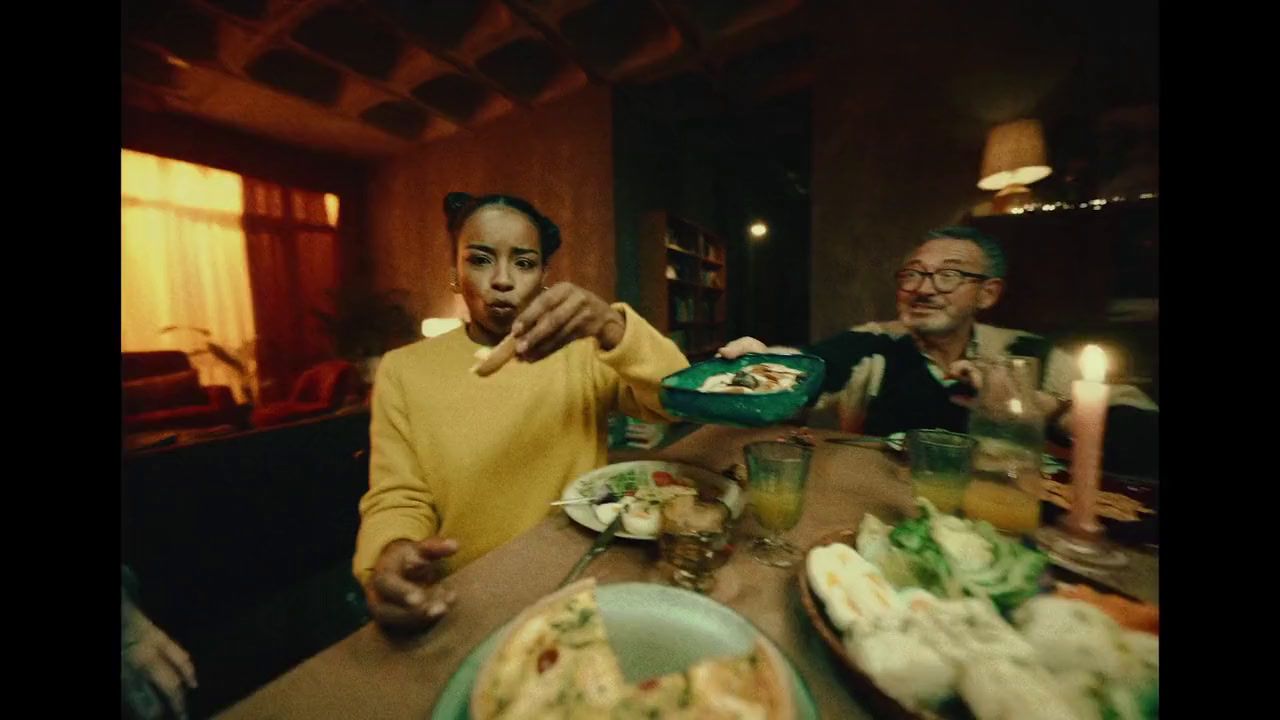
[[1081, 548]]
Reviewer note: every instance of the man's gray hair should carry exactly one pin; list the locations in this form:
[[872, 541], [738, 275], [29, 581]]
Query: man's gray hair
[[990, 247]]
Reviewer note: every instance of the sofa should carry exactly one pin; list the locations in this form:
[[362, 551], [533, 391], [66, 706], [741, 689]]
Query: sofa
[[160, 391]]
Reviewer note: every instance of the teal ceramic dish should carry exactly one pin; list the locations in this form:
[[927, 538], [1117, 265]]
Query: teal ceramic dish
[[681, 397], [655, 630]]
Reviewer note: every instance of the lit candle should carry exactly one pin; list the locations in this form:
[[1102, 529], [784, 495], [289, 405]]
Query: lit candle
[[1089, 417]]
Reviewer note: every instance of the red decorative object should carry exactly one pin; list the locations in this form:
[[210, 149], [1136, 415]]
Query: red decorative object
[[319, 390]]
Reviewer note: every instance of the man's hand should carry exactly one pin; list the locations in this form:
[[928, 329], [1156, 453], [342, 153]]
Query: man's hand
[[402, 594], [152, 657], [966, 373], [561, 315], [743, 345]]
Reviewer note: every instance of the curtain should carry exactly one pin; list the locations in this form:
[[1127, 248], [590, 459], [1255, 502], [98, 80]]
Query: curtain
[[184, 263], [293, 261]]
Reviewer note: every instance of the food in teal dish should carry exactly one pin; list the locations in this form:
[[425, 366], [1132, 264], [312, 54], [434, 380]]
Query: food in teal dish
[[754, 379]]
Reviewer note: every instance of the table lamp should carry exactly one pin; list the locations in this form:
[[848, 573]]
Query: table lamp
[[1013, 159]]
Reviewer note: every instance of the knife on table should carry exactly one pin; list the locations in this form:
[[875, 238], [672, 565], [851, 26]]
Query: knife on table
[[599, 546]]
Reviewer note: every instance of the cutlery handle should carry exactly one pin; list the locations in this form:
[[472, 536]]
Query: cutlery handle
[[579, 567], [601, 543]]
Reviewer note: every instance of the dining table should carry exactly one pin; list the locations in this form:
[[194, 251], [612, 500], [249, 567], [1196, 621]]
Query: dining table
[[371, 674]]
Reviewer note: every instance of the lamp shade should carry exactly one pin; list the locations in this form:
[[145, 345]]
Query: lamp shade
[[1015, 155]]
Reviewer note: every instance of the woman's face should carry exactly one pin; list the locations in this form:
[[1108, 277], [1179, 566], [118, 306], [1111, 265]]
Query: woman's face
[[500, 266]]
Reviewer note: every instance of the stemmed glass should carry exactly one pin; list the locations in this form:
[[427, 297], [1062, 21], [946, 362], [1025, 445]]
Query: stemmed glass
[[776, 476]]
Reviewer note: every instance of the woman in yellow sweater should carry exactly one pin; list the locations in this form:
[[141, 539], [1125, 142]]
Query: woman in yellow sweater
[[461, 463]]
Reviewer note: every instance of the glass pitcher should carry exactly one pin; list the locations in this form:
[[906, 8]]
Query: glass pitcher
[[1007, 426]]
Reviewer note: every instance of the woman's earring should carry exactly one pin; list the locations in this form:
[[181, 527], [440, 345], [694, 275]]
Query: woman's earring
[[453, 281]]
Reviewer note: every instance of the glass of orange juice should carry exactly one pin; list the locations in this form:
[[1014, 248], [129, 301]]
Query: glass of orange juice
[[1006, 506], [940, 467], [776, 476], [1005, 490]]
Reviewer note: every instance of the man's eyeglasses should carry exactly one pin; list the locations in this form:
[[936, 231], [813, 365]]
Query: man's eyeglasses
[[944, 281]]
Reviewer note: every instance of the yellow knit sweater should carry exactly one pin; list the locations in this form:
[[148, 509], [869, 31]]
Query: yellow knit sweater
[[479, 459]]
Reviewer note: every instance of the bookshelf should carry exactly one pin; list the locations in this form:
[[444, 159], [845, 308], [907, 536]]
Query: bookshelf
[[684, 283]]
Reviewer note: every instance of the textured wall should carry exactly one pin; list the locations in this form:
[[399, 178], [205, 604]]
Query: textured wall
[[903, 97], [559, 157]]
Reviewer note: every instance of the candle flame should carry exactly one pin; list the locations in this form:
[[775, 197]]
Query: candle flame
[[1093, 364], [1015, 406]]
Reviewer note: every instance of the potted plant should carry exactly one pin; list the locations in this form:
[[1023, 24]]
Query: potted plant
[[243, 359], [366, 322]]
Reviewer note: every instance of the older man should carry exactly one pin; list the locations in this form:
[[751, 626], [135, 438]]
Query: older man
[[914, 372]]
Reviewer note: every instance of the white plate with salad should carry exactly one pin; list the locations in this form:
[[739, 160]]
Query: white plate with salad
[[636, 490]]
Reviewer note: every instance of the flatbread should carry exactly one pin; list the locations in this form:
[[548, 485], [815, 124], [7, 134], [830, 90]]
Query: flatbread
[[517, 682], [745, 687], [553, 662]]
